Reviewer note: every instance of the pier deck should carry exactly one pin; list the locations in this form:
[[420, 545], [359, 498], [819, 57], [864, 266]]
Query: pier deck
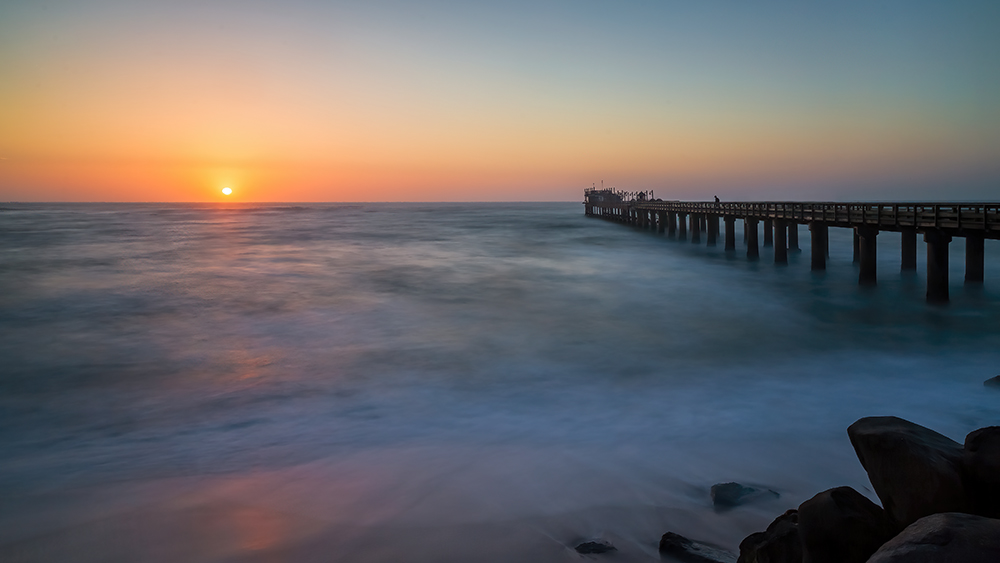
[[938, 222]]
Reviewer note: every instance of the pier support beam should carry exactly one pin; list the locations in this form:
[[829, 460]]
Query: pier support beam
[[682, 226], [730, 232], [866, 240], [713, 229], [695, 228], [768, 232], [857, 246], [671, 224], [780, 243], [937, 265], [819, 231], [753, 252], [974, 257], [661, 222], [793, 237], [909, 247]]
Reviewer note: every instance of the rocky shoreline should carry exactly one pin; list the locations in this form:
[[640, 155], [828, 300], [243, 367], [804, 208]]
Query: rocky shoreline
[[940, 503]]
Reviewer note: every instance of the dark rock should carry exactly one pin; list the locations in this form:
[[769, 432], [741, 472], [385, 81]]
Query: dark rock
[[690, 551], [915, 471], [841, 526], [982, 470], [728, 495], [944, 538], [595, 547], [992, 382], [778, 544]]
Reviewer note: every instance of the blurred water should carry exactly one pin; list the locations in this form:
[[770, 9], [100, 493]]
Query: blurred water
[[437, 382]]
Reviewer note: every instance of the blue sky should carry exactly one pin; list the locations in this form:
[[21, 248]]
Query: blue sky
[[459, 100]]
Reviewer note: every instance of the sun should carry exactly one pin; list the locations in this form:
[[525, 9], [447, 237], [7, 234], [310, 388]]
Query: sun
[[227, 191]]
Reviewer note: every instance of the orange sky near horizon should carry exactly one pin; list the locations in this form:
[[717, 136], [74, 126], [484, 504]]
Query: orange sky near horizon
[[108, 101]]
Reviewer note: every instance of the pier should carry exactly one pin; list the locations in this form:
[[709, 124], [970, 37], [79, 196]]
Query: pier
[[938, 223]]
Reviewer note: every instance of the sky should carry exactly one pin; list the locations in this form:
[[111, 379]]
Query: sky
[[300, 100]]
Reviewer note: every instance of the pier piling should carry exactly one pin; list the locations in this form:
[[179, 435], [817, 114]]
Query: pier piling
[[819, 245], [730, 232], [868, 249], [909, 250], [780, 243], [713, 229], [937, 265], [753, 252], [974, 258]]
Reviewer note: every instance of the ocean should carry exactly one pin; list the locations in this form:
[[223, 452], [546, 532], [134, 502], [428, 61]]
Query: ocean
[[442, 382]]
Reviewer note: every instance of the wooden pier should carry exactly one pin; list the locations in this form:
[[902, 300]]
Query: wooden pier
[[939, 223]]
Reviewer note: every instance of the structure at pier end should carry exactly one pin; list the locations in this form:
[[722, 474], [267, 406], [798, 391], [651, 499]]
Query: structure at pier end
[[939, 223]]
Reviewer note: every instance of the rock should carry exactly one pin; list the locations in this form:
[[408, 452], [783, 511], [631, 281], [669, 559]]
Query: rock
[[595, 547], [915, 471], [992, 382], [944, 538], [728, 495], [778, 544], [841, 526], [982, 470], [690, 551]]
